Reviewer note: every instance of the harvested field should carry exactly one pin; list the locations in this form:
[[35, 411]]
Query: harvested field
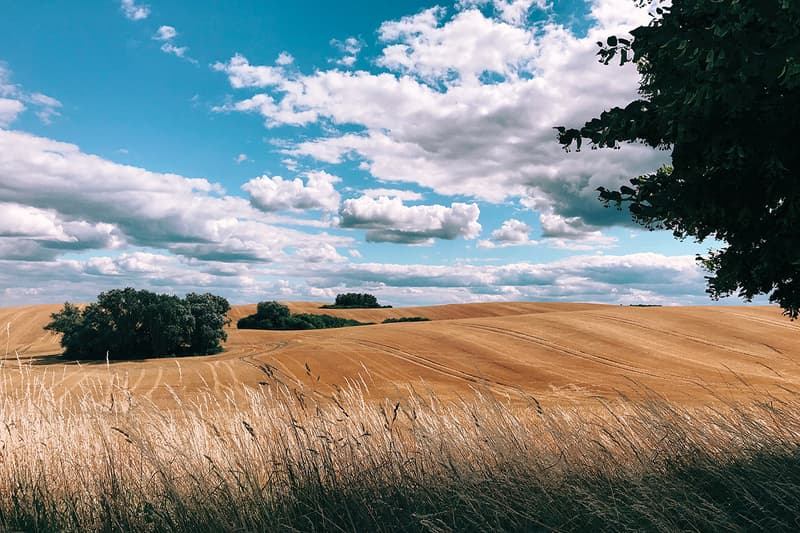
[[551, 351]]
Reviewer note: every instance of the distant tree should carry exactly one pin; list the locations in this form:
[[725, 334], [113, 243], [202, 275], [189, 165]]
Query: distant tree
[[126, 323], [720, 87], [355, 300], [273, 310], [268, 315], [405, 319], [274, 315]]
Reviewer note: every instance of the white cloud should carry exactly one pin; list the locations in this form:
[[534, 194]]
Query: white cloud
[[242, 75], [349, 49], [469, 45], [418, 24], [572, 233], [241, 158], [578, 278], [513, 232], [324, 253], [466, 106], [84, 201], [13, 99], [284, 58], [290, 164], [511, 11], [165, 33], [388, 220], [169, 48], [276, 194], [9, 110], [406, 196], [133, 11]]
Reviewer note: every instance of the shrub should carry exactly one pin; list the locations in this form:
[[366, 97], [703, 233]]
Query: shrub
[[274, 315], [406, 319], [126, 323], [326, 321], [354, 300]]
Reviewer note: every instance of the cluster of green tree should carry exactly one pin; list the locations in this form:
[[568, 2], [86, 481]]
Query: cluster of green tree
[[406, 319], [720, 88], [355, 300], [128, 323], [274, 315]]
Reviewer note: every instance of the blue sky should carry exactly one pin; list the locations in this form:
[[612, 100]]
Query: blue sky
[[294, 150]]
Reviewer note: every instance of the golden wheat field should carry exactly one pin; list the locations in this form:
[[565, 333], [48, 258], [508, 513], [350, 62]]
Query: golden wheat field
[[552, 351], [489, 417]]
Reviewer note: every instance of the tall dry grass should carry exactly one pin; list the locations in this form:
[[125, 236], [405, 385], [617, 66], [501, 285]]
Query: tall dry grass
[[283, 458]]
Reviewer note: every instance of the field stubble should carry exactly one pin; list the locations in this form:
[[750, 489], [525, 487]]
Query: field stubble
[[104, 452]]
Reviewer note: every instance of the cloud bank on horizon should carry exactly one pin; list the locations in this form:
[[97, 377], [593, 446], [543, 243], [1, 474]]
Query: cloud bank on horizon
[[417, 162]]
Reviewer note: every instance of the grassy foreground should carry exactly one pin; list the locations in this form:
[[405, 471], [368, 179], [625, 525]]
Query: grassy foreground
[[280, 458]]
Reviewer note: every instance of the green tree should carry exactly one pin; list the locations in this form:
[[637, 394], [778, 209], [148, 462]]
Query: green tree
[[720, 87], [355, 299], [274, 315], [126, 323], [167, 326], [209, 314], [69, 323], [269, 315]]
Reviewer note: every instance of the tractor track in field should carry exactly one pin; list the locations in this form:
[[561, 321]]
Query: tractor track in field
[[768, 322], [565, 350], [686, 336], [440, 368]]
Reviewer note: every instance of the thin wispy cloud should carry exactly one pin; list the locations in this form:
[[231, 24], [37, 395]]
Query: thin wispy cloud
[[134, 11]]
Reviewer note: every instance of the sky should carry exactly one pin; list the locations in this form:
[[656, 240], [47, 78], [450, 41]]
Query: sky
[[296, 150]]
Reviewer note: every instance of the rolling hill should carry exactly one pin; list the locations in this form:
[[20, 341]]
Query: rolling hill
[[551, 351]]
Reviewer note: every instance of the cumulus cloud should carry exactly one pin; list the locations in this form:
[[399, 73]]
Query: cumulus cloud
[[585, 278], [572, 233], [165, 33], [9, 110], [389, 220], [242, 74], [241, 158], [284, 59], [349, 50], [83, 201], [468, 45], [513, 232], [134, 11], [511, 11], [276, 194], [465, 106]]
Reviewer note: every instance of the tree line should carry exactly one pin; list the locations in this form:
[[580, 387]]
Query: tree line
[[355, 300], [275, 315]]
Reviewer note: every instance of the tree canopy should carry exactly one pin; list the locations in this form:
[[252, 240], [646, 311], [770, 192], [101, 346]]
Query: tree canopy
[[275, 315], [720, 88], [355, 300], [130, 323]]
